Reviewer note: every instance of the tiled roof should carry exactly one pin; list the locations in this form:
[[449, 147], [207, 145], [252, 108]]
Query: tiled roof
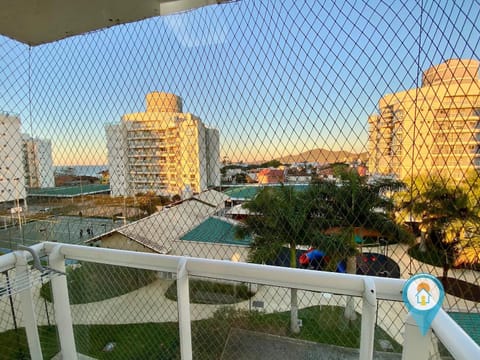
[[159, 230], [215, 198]]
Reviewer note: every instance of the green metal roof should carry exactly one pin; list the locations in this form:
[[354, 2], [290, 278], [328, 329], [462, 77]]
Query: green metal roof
[[70, 191], [214, 230], [470, 322]]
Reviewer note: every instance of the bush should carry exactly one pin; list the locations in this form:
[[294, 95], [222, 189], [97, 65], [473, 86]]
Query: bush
[[212, 292]]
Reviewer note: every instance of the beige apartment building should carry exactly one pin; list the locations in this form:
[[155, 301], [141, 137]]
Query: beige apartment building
[[433, 129], [38, 162], [162, 150]]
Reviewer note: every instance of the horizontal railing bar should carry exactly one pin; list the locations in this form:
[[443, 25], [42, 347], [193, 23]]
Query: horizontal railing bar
[[344, 284], [454, 338], [133, 259], [8, 261]]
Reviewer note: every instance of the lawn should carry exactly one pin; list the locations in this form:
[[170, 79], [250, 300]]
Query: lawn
[[324, 324], [91, 282], [212, 292]]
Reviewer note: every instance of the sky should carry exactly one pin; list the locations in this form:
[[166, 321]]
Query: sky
[[275, 77]]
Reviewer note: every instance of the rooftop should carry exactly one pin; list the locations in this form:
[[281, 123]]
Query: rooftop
[[70, 191], [215, 230]]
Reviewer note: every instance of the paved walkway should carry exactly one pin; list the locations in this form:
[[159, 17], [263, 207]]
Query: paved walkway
[[250, 345]]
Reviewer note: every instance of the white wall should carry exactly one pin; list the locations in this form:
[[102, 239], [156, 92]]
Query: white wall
[[12, 171], [117, 158], [213, 156]]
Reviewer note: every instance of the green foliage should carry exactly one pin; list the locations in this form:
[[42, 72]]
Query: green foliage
[[132, 341], [283, 215], [148, 202], [14, 343], [278, 216], [95, 282], [212, 292], [439, 201], [447, 213], [355, 202], [271, 164], [432, 256]]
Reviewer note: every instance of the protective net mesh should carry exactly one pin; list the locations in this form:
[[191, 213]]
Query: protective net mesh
[[292, 133]]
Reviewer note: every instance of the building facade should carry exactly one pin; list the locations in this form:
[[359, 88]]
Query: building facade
[[162, 150], [38, 162], [12, 170], [433, 129], [271, 176]]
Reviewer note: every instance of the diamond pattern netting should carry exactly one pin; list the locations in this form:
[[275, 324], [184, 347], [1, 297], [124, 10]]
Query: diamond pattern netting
[[303, 84]]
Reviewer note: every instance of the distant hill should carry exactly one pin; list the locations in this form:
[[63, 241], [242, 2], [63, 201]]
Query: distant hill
[[323, 156]]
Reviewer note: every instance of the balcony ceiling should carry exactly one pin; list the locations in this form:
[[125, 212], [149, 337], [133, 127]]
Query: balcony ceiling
[[35, 22]]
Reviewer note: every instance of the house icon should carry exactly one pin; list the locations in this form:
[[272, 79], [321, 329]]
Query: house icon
[[423, 295]]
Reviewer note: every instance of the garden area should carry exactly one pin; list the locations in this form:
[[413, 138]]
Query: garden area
[[321, 324], [212, 292], [89, 282], [446, 219]]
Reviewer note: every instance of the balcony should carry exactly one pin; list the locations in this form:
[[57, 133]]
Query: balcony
[[374, 297], [272, 82]]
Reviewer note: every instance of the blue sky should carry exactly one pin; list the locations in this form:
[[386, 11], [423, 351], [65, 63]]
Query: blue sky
[[274, 77]]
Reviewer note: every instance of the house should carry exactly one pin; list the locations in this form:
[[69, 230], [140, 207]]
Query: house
[[190, 228], [271, 176]]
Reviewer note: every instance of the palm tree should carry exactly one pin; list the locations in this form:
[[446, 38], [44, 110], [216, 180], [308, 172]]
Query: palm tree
[[283, 215], [447, 211], [355, 202], [279, 216]]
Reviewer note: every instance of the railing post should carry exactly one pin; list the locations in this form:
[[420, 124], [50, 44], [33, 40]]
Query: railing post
[[184, 321], [22, 277], [369, 315], [415, 345], [61, 306]]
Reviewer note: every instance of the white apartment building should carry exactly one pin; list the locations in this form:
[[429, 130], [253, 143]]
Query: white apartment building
[[38, 162], [433, 129], [162, 150], [12, 171]]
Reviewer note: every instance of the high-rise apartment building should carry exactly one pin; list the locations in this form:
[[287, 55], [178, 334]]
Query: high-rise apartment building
[[12, 171], [433, 129], [38, 162], [162, 150]]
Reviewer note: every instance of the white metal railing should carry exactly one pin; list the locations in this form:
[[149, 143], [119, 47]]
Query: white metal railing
[[370, 289]]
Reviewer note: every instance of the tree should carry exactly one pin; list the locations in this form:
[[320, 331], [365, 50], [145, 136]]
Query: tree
[[271, 163], [279, 216], [283, 215], [355, 202], [149, 201], [240, 178], [447, 212]]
